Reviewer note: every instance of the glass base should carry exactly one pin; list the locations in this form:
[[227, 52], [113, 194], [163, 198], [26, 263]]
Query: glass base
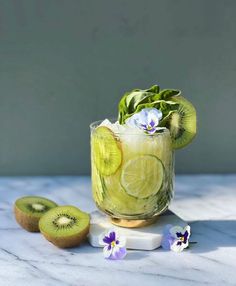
[[133, 223]]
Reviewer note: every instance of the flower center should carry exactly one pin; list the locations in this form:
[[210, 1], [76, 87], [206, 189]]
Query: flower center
[[149, 127], [113, 243]]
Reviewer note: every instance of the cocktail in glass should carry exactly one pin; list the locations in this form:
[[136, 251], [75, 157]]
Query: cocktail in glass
[[133, 158], [132, 173]]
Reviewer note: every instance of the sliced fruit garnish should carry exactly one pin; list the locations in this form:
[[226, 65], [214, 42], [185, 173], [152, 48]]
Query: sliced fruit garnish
[[118, 201], [142, 176], [137, 99], [65, 226], [28, 210], [182, 123], [106, 151], [98, 185]]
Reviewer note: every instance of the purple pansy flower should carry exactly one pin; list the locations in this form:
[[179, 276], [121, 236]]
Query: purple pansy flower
[[114, 245], [175, 238], [147, 119]]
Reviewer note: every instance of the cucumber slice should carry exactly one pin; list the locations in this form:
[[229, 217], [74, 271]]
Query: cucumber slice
[[106, 151], [142, 176]]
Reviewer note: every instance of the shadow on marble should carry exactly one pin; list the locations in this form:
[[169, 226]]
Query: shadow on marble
[[212, 234], [209, 235], [84, 247], [137, 255]]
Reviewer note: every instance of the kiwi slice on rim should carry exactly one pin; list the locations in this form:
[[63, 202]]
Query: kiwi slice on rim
[[106, 151], [65, 226], [182, 123], [28, 211]]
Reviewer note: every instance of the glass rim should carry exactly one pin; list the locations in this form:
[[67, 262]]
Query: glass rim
[[96, 123]]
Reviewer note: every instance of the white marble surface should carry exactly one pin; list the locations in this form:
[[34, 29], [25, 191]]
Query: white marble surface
[[208, 201]]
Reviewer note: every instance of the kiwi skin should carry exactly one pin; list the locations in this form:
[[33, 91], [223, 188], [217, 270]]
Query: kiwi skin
[[70, 240], [30, 224]]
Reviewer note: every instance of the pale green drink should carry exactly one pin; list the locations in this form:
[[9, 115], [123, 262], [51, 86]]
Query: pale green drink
[[132, 173]]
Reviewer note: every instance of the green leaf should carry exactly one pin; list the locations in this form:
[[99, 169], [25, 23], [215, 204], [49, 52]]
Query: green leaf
[[154, 89], [137, 99], [145, 97], [122, 108], [134, 98], [165, 106], [166, 118], [166, 94], [139, 96]]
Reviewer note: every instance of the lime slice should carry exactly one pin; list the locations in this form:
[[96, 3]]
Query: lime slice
[[118, 201], [106, 151], [142, 176]]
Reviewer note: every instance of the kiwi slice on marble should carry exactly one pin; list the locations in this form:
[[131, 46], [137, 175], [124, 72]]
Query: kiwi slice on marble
[[65, 226], [28, 211], [182, 123], [106, 151]]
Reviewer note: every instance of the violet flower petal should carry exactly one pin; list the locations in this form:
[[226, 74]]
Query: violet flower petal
[[112, 236], [147, 119], [175, 237], [167, 241], [154, 113], [152, 123], [178, 246], [107, 251], [176, 231], [188, 229], [118, 253], [122, 241], [166, 229], [107, 240]]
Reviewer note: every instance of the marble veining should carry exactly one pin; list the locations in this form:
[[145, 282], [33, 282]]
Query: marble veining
[[206, 202]]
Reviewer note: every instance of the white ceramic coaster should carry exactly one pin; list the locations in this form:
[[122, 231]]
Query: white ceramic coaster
[[145, 238]]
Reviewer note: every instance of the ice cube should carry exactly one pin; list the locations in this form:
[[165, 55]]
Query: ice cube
[[115, 127], [124, 130], [106, 123]]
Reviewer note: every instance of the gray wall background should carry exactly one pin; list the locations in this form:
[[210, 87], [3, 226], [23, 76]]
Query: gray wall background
[[64, 64]]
